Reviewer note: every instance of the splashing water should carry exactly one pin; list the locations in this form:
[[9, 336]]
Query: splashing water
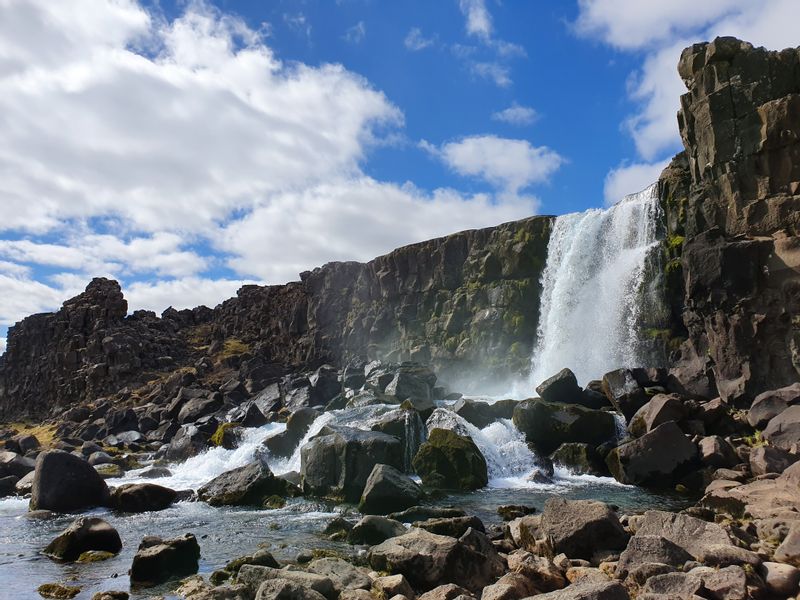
[[591, 289]]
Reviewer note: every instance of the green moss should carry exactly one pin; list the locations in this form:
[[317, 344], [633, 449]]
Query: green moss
[[673, 266], [755, 440], [91, 556], [675, 242], [219, 435], [56, 590]]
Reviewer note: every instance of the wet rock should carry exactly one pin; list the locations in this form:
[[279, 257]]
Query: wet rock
[[253, 576], [109, 471], [58, 591], [8, 485], [64, 482], [580, 459], [561, 387], [283, 444], [624, 392], [428, 560], [155, 473], [662, 408], [547, 425], [783, 431], [408, 427], [422, 513], [388, 490], [83, 535], [767, 459], [245, 486], [196, 588], [579, 528], [261, 557], [653, 459], [475, 412], [716, 451], [509, 512], [344, 575], [453, 526], [451, 461], [187, 442], [540, 572], [158, 560], [374, 529], [339, 461], [325, 384], [24, 486], [338, 528], [111, 595], [142, 497]]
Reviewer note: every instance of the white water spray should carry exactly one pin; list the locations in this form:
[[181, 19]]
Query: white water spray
[[591, 288]]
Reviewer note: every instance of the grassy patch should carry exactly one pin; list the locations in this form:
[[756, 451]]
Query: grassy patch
[[44, 433]]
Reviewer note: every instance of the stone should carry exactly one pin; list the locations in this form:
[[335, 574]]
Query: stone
[[244, 486], [767, 459], [158, 560], [387, 490], [339, 461], [588, 589], [392, 585], [655, 459], [195, 588], [451, 526], [765, 407], [408, 427], [285, 589], [789, 549], [187, 442], [344, 575], [579, 528], [111, 595], [540, 572], [422, 513], [142, 497], [647, 549], [661, 408], [283, 444], [155, 473], [64, 482], [428, 560], [579, 458], [253, 576], [547, 425], [715, 451], [624, 392], [260, 557], [783, 430], [561, 387], [373, 529], [781, 579], [12, 463], [58, 590], [109, 471], [451, 461], [693, 535], [722, 555], [83, 535]]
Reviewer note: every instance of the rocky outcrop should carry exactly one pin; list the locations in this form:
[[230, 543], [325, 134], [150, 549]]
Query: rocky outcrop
[[732, 207]]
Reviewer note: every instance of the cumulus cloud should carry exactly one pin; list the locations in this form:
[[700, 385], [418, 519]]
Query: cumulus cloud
[[516, 115], [508, 164], [416, 41], [629, 179]]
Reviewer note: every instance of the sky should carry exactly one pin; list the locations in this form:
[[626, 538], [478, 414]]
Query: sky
[[187, 148]]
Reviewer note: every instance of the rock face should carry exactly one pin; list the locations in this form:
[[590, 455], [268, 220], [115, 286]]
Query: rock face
[[731, 202], [63, 483], [459, 302]]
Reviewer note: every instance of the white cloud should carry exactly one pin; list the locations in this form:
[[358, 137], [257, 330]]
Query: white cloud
[[629, 179], [356, 33], [516, 115], [353, 219], [479, 21], [415, 41], [187, 292], [493, 71], [508, 164], [22, 296]]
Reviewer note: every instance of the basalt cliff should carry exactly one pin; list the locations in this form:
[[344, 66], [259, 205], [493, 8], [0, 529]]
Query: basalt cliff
[[468, 304]]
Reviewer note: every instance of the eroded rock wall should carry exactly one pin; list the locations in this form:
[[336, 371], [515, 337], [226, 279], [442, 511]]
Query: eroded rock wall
[[732, 204]]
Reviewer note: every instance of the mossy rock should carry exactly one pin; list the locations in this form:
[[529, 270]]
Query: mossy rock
[[57, 590], [451, 461], [91, 556], [227, 435]]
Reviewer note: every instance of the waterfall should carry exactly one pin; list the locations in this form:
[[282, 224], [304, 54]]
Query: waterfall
[[593, 284]]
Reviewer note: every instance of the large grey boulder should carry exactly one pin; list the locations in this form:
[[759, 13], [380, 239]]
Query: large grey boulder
[[158, 560], [83, 535], [547, 425], [282, 445], [14, 464], [285, 589], [253, 576], [406, 425], [64, 482], [451, 461], [693, 535], [580, 458], [579, 528], [654, 459], [716, 451], [187, 442], [768, 405], [388, 490], [783, 430], [643, 549], [339, 461], [374, 529], [142, 497], [245, 486], [344, 575]]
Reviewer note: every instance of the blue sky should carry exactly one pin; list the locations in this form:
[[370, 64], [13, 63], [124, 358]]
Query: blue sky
[[185, 148]]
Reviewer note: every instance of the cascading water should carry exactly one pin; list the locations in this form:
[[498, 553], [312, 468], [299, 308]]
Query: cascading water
[[592, 289]]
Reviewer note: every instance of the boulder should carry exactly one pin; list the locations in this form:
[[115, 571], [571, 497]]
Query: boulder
[[253, 576], [64, 482], [187, 442], [339, 460], [283, 444], [716, 451], [579, 528], [729, 583], [390, 586], [783, 430], [540, 572], [408, 427], [789, 549], [588, 589], [782, 580], [8, 485], [158, 560], [244, 486], [643, 549], [480, 414], [142, 497], [448, 591], [344, 575], [547, 425], [199, 407], [561, 387], [451, 461], [580, 458], [654, 459], [285, 589], [693, 535], [12, 463], [374, 529], [388, 490], [624, 392], [411, 382], [83, 535], [451, 526], [662, 408], [767, 459], [421, 513], [428, 560], [772, 403], [325, 384]]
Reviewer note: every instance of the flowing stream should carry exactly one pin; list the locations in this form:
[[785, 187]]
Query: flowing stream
[[592, 289]]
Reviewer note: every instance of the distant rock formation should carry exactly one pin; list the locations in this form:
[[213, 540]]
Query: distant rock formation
[[732, 205]]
